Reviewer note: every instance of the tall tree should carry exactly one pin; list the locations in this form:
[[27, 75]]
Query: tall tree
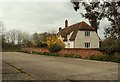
[[6, 37], [2, 27], [13, 35], [95, 11], [113, 15], [39, 38], [16, 37], [19, 37]]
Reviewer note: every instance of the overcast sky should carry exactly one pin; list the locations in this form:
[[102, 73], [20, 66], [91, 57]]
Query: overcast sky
[[40, 16]]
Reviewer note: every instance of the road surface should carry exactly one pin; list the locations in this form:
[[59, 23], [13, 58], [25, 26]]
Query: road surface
[[23, 66]]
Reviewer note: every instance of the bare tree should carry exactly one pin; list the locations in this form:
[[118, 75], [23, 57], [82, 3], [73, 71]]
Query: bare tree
[[2, 27], [13, 35], [7, 37], [16, 36], [19, 37]]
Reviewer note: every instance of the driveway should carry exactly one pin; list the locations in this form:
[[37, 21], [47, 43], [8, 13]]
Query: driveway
[[40, 67]]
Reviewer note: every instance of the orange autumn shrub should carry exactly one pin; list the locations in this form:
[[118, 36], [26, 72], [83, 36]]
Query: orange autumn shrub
[[54, 44]]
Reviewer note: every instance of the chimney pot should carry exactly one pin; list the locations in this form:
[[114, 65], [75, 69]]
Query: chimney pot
[[60, 29]]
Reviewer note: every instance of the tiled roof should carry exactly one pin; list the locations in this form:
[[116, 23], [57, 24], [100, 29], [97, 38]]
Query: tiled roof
[[74, 29]]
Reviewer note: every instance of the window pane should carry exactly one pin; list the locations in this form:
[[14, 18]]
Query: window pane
[[87, 33], [68, 44], [87, 45]]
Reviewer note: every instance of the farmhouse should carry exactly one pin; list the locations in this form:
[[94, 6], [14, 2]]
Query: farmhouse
[[79, 35]]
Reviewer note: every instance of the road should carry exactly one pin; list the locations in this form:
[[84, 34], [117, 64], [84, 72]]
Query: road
[[23, 66]]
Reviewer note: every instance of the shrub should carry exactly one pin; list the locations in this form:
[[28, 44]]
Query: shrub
[[105, 58], [68, 55], [110, 46], [55, 48], [72, 56], [54, 44], [45, 53], [110, 50], [54, 54], [77, 56]]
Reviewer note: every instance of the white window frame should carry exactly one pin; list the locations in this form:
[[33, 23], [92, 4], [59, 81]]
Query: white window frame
[[68, 45], [87, 33], [87, 44]]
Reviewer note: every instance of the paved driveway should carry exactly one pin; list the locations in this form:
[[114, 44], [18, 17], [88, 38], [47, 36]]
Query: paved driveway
[[40, 67]]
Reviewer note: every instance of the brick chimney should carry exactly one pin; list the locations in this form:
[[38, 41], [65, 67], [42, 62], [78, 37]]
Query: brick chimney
[[66, 23]]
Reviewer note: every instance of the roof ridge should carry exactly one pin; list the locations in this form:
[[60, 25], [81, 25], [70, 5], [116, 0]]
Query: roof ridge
[[83, 26]]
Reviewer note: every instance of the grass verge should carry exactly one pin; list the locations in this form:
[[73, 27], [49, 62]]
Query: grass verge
[[107, 58], [55, 54]]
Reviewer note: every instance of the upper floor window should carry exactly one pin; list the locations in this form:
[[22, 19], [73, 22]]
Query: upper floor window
[[87, 33], [87, 45]]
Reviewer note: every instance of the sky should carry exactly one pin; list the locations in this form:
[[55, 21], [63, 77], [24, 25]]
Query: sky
[[41, 17]]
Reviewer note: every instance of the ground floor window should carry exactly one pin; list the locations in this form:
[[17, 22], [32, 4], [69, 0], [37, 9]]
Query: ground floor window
[[87, 45], [68, 45]]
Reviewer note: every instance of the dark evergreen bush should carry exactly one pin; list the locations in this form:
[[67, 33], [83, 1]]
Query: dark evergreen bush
[[54, 48], [107, 58]]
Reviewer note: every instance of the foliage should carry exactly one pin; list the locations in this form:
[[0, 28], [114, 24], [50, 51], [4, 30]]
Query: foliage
[[55, 54], [108, 58], [72, 56], [110, 45], [27, 43], [105, 58], [10, 47], [39, 38], [95, 11], [16, 37], [113, 15], [43, 45], [54, 44], [36, 39], [55, 48], [2, 39], [22, 39]]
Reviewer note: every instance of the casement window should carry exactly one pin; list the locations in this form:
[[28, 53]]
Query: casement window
[[68, 45], [87, 33], [87, 45]]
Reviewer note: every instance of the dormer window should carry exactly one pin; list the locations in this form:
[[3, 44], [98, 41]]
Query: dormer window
[[87, 33]]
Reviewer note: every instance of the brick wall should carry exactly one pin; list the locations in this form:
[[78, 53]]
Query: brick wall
[[80, 51]]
